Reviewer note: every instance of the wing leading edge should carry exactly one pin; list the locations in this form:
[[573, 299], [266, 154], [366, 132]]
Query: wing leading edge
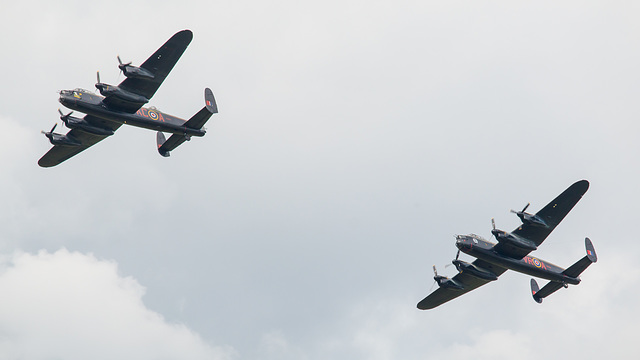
[[59, 153], [552, 214], [159, 65], [468, 281]]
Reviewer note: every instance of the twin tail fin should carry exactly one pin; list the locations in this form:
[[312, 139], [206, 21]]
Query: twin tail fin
[[573, 271], [197, 121]]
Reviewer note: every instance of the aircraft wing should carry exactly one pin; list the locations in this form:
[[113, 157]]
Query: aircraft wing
[[159, 64], [468, 281], [60, 153], [552, 215]]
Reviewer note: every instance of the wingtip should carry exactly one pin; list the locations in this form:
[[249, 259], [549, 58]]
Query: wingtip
[[186, 35], [421, 306], [583, 185], [46, 163]]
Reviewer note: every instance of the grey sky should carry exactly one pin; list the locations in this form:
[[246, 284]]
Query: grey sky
[[354, 140]]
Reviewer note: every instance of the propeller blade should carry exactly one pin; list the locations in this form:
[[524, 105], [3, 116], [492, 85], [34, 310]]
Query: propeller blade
[[121, 64], [63, 116], [432, 285], [435, 272], [458, 254], [493, 223], [98, 76], [521, 211]]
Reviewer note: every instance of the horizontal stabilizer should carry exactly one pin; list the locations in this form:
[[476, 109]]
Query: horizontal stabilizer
[[165, 146], [547, 290]]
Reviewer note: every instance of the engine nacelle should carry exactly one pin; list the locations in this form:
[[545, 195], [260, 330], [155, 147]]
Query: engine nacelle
[[59, 139], [473, 270], [445, 282], [73, 122], [63, 140], [110, 90], [530, 219], [510, 239], [135, 72]]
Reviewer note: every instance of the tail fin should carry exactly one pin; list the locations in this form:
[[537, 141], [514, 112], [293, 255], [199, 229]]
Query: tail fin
[[573, 271], [534, 291], [198, 120], [550, 288], [160, 139], [576, 269]]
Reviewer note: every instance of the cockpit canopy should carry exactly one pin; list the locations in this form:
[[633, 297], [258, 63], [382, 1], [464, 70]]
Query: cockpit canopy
[[77, 92], [473, 240]]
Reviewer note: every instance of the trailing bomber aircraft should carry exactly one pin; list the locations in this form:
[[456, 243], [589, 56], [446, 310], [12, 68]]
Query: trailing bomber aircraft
[[512, 253], [122, 104]]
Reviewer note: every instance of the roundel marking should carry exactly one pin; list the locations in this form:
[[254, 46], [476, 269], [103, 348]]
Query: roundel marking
[[537, 263], [153, 115]]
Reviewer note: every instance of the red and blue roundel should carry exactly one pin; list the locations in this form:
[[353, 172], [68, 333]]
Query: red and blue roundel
[[537, 263], [153, 115]]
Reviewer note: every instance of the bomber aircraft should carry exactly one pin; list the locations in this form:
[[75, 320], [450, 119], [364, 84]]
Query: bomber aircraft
[[512, 253], [122, 104]]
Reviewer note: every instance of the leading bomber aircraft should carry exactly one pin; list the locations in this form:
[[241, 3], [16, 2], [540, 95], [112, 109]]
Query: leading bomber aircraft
[[512, 253], [122, 104]]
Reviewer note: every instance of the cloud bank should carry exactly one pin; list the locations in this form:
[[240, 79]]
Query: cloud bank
[[70, 305]]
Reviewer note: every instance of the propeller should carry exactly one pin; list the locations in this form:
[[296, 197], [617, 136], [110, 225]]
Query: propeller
[[121, 65], [495, 232], [50, 133], [64, 117], [432, 285], [435, 278], [455, 260], [522, 211], [99, 85]]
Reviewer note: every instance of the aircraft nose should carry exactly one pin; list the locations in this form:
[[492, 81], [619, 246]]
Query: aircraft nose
[[463, 243]]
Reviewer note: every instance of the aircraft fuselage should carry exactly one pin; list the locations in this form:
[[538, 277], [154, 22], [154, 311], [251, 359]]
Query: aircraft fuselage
[[91, 104], [482, 249]]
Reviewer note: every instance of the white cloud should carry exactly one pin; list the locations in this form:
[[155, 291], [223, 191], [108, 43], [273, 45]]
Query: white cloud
[[74, 306], [497, 344], [354, 138], [275, 345]]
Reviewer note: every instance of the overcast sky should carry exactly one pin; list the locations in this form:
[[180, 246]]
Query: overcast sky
[[354, 140]]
